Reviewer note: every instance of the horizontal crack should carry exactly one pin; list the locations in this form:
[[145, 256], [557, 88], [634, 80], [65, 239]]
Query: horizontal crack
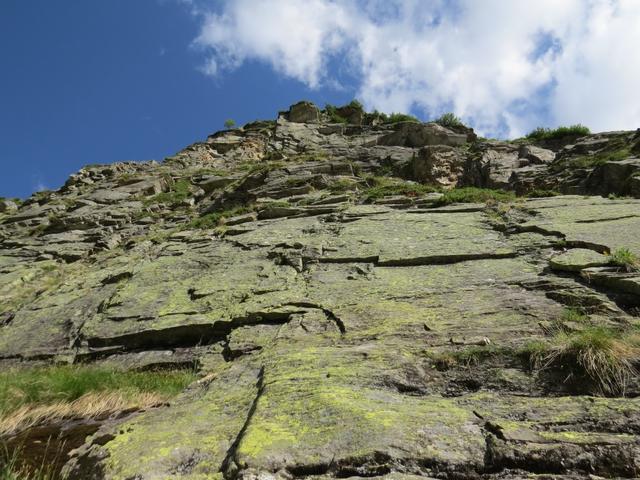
[[443, 259], [603, 220], [419, 261], [187, 335]]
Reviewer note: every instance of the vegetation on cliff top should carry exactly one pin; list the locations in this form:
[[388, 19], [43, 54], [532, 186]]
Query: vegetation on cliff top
[[542, 133]]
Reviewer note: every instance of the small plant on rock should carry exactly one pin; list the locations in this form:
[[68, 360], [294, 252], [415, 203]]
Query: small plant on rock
[[542, 133], [178, 193], [379, 187], [605, 355], [572, 314], [475, 195], [449, 120], [216, 219], [399, 117], [626, 259]]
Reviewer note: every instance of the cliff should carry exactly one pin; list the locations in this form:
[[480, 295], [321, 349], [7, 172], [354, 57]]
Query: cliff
[[359, 298]]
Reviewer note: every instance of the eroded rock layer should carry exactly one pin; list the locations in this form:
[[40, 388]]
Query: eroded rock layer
[[337, 333]]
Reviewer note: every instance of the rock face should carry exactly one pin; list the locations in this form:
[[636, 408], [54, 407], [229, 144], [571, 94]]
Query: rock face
[[336, 336]]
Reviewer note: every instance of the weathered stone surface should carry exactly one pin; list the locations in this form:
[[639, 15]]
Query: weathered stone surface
[[576, 259], [535, 155], [413, 134], [303, 112], [438, 164], [7, 205], [337, 333], [596, 222]]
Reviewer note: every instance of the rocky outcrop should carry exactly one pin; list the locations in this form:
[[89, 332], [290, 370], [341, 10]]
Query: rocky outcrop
[[338, 332]]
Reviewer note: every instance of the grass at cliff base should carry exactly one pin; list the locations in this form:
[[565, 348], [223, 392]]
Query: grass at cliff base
[[31, 396]]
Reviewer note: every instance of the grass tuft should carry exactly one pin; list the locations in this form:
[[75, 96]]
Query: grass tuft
[[572, 314], [216, 219], [36, 387], [594, 160], [11, 468], [398, 117], [626, 259], [542, 193], [603, 354], [475, 195], [449, 120], [541, 133], [89, 405], [380, 187], [179, 192]]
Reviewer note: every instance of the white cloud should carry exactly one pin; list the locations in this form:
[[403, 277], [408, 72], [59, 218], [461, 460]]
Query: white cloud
[[505, 67]]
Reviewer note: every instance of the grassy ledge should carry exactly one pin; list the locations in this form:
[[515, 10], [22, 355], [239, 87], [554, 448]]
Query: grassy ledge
[[475, 195], [30, 396]]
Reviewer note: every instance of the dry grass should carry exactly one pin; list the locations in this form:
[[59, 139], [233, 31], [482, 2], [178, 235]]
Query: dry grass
[[604, 355], [90, 405]]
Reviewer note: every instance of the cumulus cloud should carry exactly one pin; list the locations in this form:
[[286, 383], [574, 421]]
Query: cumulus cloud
[[505, 67]]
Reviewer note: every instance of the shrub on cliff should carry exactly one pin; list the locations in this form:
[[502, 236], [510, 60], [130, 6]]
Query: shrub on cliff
[[542, 133]]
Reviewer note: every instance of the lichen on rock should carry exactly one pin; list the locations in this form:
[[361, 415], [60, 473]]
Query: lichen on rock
[[341, 325]]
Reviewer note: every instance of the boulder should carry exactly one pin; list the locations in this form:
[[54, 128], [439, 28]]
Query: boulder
[[415, 134], [614, 177], [492, 165], [108, 196], [7, 205], [535, 155], [353, 114], [438, 164], [303, 112], [225, 142]]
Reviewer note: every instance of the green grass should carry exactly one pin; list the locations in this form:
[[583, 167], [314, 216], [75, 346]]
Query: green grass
[[276, 204], [331, 110], [626, 259], [178, 193], [468, 356], [211, 171], [216, 219], [380, 187], [572, 314], [475, 195], [476, 354], [590, 161], [542, 193], [342, 185], [11, 468], [449, 120], [603, 354], [397, 118], [253, 167], [541, 133], [46, 385], [335, 117]]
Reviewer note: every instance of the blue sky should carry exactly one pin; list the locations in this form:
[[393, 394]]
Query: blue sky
[[95, 81]]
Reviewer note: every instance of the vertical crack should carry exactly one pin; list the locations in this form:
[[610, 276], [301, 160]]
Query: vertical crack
[[328, 313], [334, 318], [229, 467]]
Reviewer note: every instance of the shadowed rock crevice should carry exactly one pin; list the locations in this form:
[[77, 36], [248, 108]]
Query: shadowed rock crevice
[[229, 467]]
